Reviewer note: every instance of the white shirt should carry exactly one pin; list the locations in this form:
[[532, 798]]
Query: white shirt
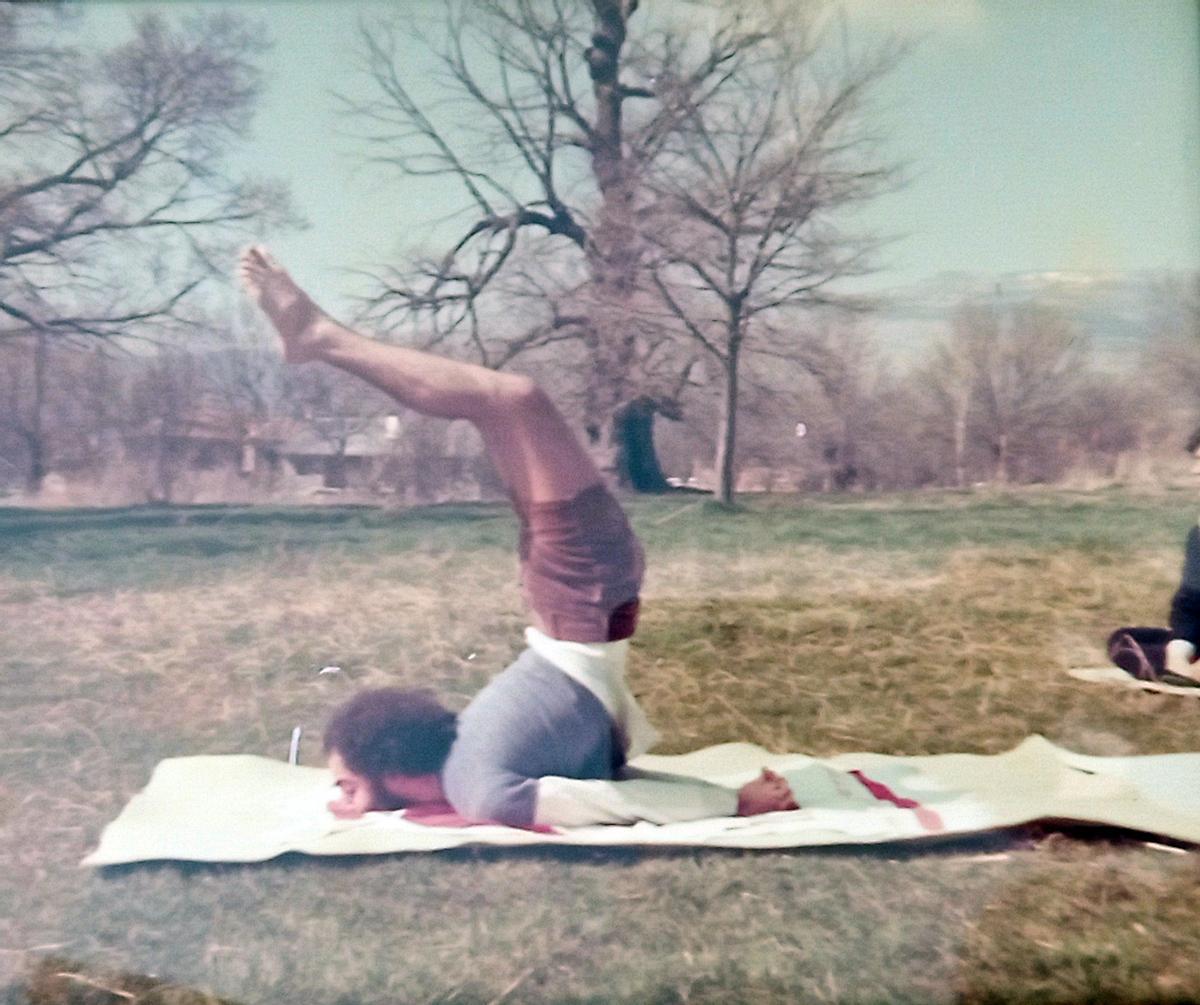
[[637, 795]]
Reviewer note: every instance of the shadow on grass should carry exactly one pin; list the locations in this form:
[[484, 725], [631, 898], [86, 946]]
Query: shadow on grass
[[622, 856]]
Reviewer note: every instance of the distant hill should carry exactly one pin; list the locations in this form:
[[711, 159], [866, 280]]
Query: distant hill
[[1116, 311]]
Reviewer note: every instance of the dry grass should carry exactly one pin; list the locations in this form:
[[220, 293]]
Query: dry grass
[[905, 625]]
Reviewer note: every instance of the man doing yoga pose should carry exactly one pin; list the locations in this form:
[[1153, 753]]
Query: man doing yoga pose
[[545, 742]]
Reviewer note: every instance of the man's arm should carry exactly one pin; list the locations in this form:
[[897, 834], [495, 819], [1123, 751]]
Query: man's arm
[[1185, 611], [654, 797]]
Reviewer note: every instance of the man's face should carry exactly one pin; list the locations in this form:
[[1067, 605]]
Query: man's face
[[414, 790], [355, 792], [357, 796]]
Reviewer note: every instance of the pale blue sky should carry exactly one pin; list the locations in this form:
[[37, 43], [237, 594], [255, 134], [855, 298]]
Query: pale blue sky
[[1041, 135], [1050, 135]]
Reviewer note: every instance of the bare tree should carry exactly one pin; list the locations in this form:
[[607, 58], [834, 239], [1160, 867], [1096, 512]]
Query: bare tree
[[26, 399], [334, 409], [751, 188], [562, 110], [843, 362], [950, 378], [1171, 359], [1106, 419], [1028, 364], [57, 402], [165, 396], [114, 205]]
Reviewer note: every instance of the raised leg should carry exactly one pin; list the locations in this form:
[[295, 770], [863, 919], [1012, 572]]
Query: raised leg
[[534, 450]]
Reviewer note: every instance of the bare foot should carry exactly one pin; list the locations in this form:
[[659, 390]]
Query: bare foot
[[288, 307]]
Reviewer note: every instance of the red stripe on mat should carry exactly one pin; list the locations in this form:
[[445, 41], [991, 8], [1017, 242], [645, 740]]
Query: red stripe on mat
[[927, 818]]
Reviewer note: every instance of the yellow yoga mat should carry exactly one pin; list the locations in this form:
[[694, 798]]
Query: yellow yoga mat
[[240, 808]]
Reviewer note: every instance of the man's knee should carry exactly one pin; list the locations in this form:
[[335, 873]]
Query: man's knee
[[518, 394]]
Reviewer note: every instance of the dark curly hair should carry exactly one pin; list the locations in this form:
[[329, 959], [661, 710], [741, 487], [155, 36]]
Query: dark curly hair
[[391, 731]]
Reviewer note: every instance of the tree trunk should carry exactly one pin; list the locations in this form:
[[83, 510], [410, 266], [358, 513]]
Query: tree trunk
[[1001, 451], [35, 433], [636, 460], [164, 464], [727, 433], [846, 476], [960, 449], [37, 464], [35, 471], [614, 403]]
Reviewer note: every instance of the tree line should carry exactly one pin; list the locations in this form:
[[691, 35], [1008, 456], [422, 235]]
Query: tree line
[[657, 216], [1007, 396]]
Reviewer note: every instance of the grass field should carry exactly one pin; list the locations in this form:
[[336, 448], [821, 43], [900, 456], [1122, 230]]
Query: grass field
[[908, 625]]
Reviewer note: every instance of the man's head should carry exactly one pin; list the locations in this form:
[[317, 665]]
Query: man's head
[[386, 749]]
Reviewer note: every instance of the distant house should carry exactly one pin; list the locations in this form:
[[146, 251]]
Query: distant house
[[202, 457], [209, 457], [343, 456]]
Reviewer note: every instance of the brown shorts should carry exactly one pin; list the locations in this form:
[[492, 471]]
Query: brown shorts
[[581, 567]]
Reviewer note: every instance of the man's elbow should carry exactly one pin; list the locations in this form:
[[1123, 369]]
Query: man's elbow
[[510, 806]]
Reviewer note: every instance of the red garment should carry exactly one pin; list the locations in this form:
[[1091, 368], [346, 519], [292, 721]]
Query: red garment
[[581, 567], [927, 818]]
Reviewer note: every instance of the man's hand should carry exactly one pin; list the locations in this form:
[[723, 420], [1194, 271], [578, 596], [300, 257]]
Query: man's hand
[[766, 794]]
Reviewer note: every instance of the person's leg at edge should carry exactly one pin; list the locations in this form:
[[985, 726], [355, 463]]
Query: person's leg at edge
[[534, 450]]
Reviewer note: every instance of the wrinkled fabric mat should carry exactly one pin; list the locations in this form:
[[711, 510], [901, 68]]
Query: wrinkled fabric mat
[[1115, 675], [242, 808]]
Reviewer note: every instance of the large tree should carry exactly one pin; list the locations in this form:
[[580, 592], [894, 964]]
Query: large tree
[[115, 201], [552, 114]]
